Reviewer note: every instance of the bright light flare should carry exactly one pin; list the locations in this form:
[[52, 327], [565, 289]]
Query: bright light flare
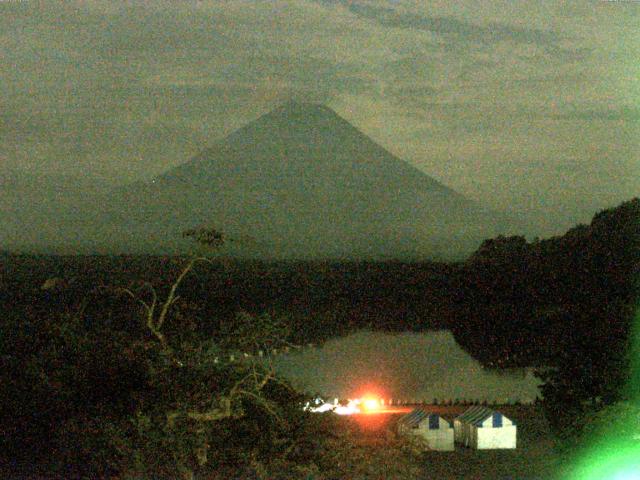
[[371, 404], [367, 404], [351, 408], [617, 461]]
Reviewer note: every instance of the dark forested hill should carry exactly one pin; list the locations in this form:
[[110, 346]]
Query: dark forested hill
[[523, 303]]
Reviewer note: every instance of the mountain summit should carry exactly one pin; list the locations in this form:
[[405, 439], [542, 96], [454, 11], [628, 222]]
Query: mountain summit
[[299, 182], [299, 141]]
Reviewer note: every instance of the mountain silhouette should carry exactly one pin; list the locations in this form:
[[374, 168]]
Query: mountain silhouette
[[299, 182]]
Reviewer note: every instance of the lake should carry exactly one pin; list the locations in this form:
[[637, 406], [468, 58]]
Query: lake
[[403, 366]]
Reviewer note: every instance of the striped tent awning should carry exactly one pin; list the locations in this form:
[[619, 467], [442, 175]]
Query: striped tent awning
[[478, 414], [417, 416]]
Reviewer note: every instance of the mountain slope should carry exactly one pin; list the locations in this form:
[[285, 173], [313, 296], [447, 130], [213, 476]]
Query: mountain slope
[[298, 182], [302, 182]]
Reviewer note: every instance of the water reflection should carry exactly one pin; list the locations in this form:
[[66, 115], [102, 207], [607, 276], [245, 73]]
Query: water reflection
[[411, 367]]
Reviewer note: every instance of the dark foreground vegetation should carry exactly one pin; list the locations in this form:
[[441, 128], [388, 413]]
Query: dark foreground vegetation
[[566, 304], [99, 380]]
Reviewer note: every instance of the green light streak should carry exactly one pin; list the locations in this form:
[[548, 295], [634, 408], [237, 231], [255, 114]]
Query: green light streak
[[614, 453], [617, 461]]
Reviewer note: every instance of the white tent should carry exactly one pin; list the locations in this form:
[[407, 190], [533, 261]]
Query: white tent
[[435, 430], [482, 428]]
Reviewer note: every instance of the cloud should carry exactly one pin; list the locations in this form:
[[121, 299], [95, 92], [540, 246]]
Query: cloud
[[415, 92], [458, 30], [461, 90], [626, 114]]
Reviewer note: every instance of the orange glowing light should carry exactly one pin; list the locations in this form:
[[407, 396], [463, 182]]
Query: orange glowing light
[[371, 404]]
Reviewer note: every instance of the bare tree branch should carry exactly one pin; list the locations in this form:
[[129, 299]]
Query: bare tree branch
[[171, 298]]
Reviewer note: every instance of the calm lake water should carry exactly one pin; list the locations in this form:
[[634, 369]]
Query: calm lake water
[[408, 366]]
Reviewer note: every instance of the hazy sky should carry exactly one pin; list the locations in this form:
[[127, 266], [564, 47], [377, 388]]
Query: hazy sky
[[520, 104]]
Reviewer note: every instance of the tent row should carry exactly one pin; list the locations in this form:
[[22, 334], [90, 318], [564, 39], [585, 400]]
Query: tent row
[[479, 427]]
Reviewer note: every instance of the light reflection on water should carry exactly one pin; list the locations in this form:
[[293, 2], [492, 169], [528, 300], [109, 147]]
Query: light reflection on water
[[407, 366]]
